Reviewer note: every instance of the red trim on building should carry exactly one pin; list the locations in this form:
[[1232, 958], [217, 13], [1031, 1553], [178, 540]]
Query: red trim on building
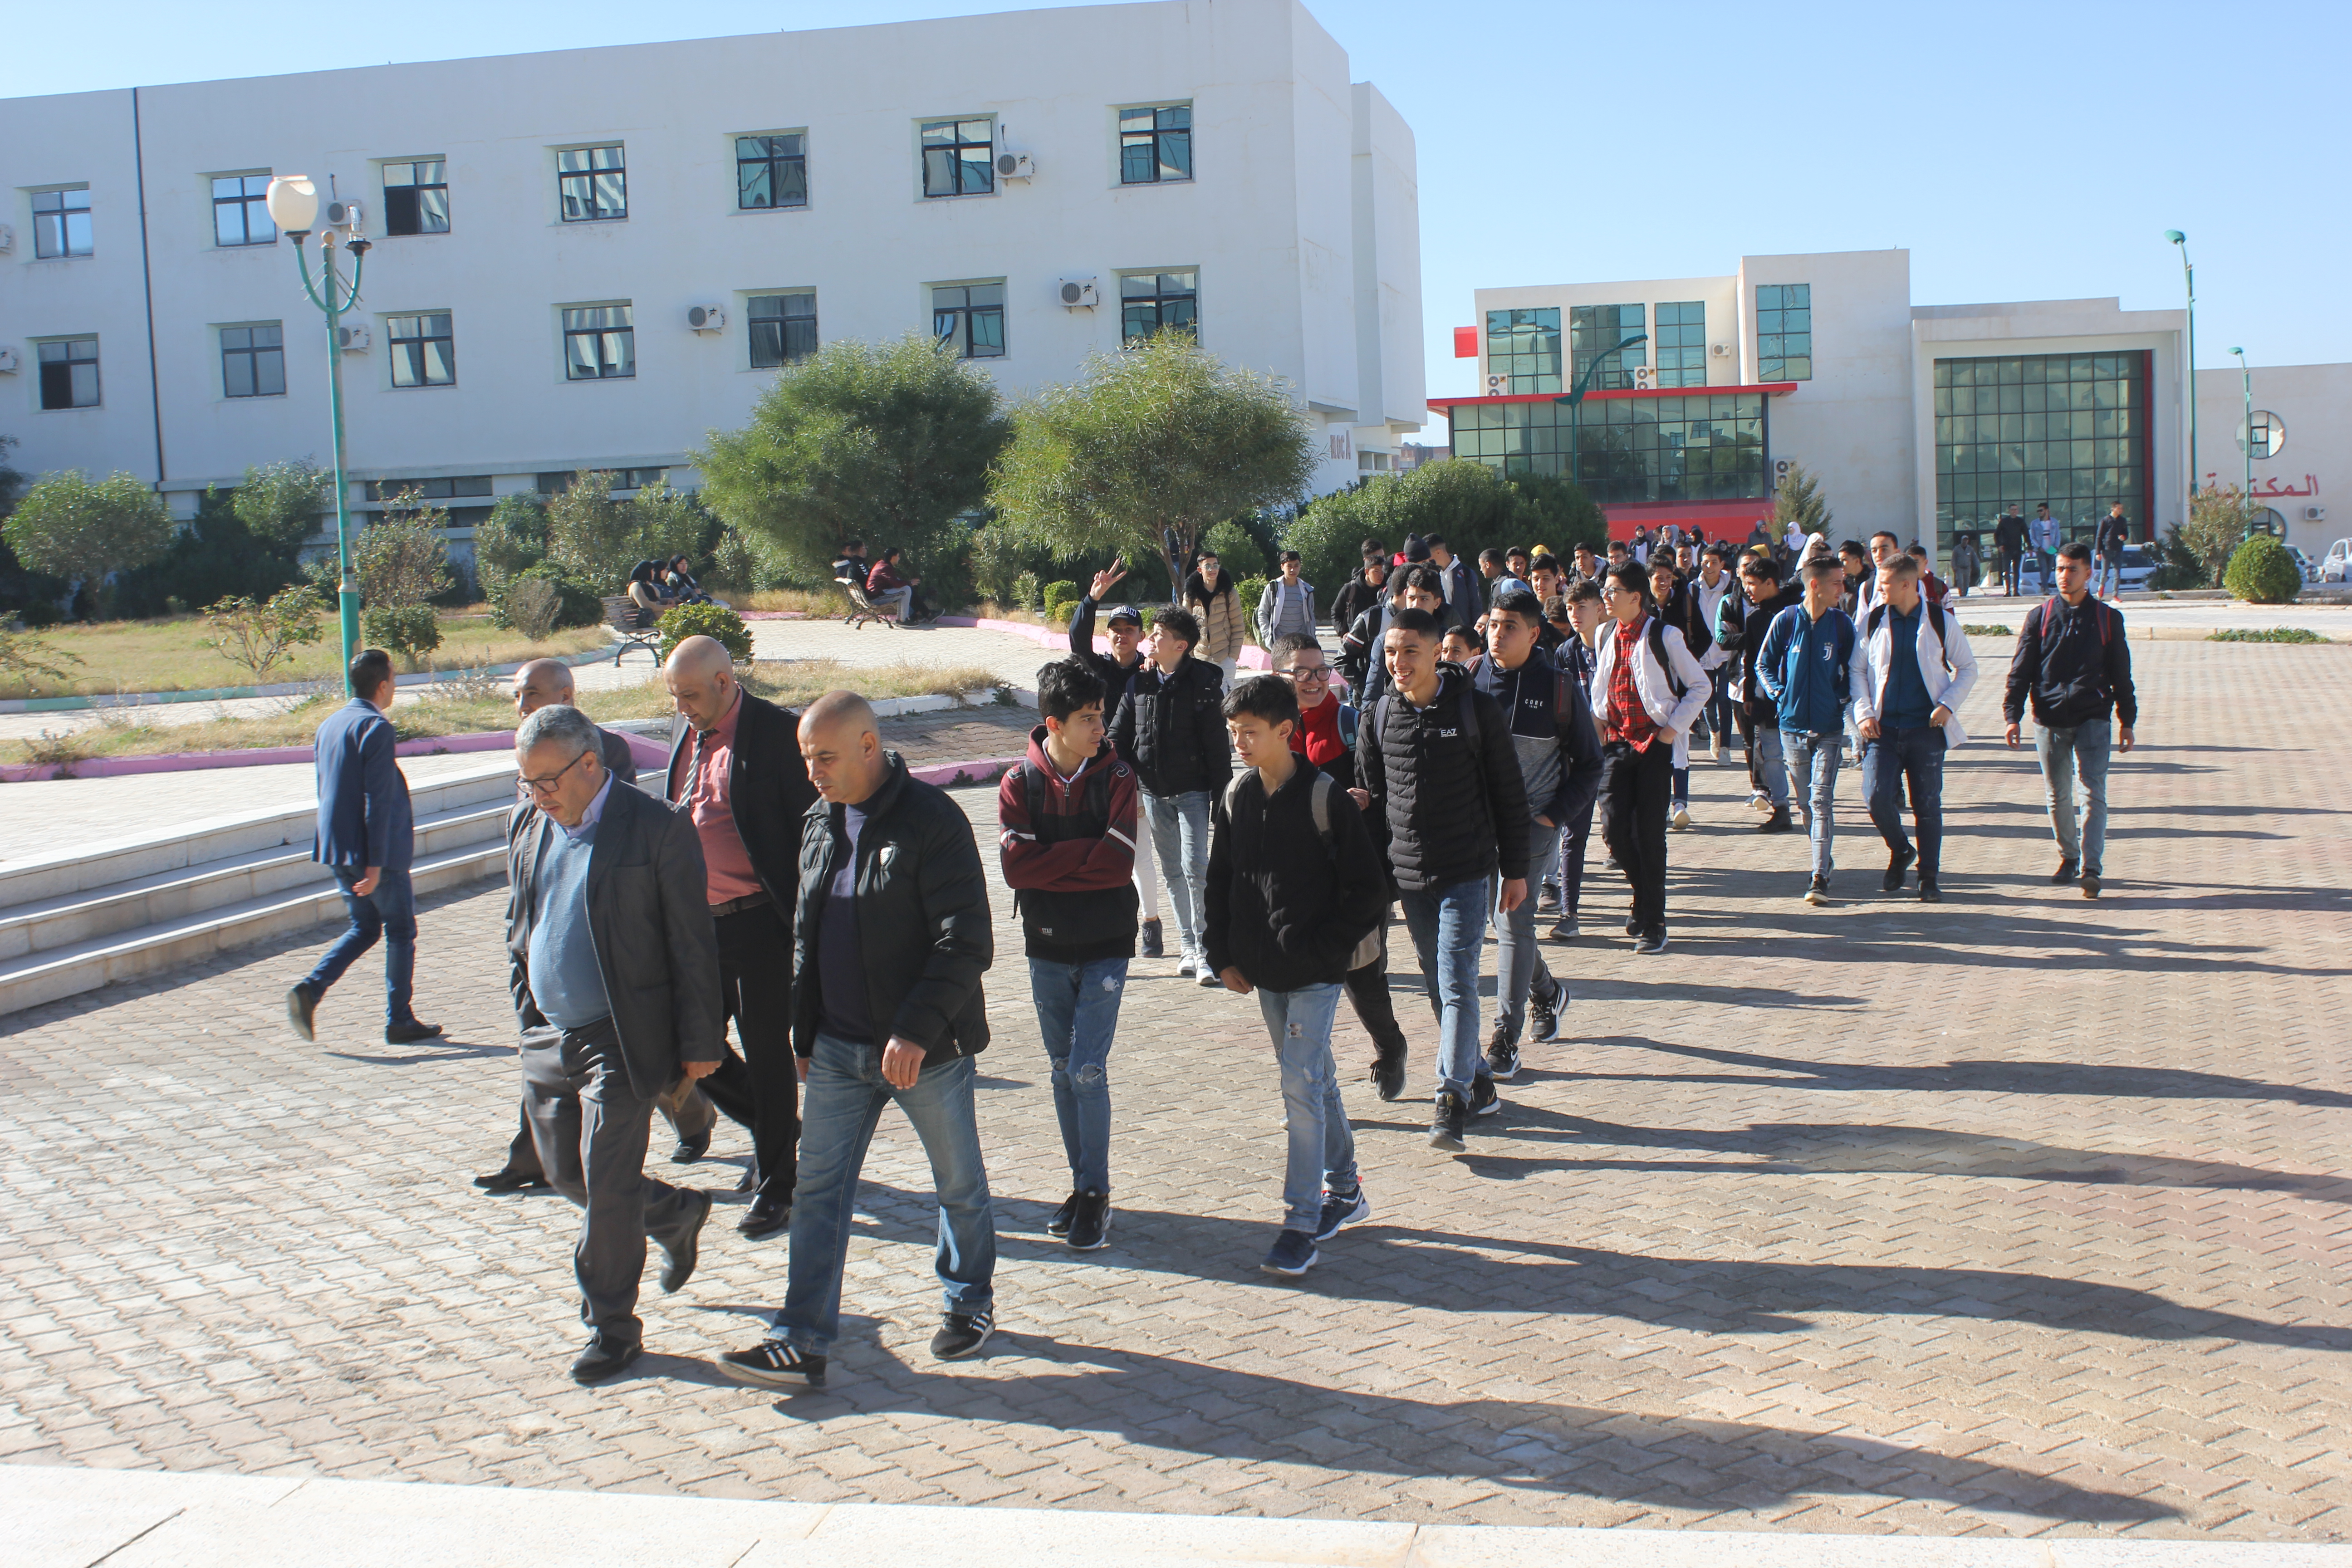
[[1723, 519], [1768, 388]]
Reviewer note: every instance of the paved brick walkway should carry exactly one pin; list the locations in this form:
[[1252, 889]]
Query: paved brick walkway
[[2016, 1214]]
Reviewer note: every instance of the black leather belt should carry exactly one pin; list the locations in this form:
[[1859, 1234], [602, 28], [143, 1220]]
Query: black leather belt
[[737, 905]]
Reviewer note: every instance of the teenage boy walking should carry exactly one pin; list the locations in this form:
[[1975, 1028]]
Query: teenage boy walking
[[1912, 671], [1294, 887], [2008, 536], [1647, 688], [1436, 759], [1806, 668], [2072, 661], [1575, 653], [1066, 821], [1740, 622], [1170, 731], [1558, 752], [1123, 628]]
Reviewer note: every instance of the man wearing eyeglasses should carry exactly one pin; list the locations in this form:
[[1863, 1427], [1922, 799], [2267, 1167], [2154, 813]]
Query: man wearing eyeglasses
[[1326, 736], [615, 970]]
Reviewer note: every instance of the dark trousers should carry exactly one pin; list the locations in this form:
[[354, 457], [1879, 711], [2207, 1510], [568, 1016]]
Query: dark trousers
[[1367, 991], [2009, 563], [1574, 838], [688, 1112], [1747, 722], [590, 1128], [1916, 758], [760, 1090], [1633, 790], [389, 912]]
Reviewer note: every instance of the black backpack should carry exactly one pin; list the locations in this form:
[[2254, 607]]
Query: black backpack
[[1934, 619]]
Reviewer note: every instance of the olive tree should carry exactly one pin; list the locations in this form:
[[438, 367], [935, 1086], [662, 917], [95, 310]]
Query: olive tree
[[280, 503], [85, 530]]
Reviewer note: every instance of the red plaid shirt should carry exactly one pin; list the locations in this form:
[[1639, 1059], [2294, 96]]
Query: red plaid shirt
[[1625, 718]]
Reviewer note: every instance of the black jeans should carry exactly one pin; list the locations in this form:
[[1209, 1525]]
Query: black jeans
[[759, 1091], [1368, 990], [1633, 790], [2009, 565]]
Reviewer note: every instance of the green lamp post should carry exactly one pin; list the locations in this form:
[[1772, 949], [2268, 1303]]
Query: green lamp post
[[2188, 276], [2246, 440], [293, 202], [1574, 397]]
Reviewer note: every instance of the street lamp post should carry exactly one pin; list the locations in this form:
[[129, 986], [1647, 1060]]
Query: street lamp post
[[2247, 441], [2188, 275], [293, 202], [1574, 397]]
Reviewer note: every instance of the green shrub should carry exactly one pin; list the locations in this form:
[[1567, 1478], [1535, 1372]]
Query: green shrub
[[717, 621], [2260, 571], [2267, 633], [580, 605], [1235, 551], [410, 630], [1989, 631], [1026, 592], [1249, 590], [1059, 598]]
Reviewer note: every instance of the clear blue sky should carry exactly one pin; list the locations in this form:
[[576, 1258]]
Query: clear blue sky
[[2020, 151]]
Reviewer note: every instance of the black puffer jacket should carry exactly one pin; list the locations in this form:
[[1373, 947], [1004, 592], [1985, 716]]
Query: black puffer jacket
[[1284, 906], [1453, 808], [923, 929], [1172, 728], [1739, 628], [1352, 600]]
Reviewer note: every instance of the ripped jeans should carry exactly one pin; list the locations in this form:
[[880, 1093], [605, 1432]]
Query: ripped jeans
[[1077, 1013], [1322, 1145]]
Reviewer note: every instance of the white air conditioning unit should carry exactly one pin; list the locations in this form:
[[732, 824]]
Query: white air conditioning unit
[[1080, 291], [706, 318], [1499, 384], [1645, 376], [1015, 166], [1780, 467], [345, 215], [8, 364], [1720, 351], [8, 239], [354, 339], [2310, 513]]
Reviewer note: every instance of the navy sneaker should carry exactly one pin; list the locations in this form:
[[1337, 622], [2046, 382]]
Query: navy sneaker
[[1339, 1211], [1293, 1253]]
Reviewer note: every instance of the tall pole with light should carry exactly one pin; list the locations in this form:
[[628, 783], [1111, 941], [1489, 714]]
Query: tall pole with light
[[293, 202], [1574, 397], [2247, 440], [2188, 276]]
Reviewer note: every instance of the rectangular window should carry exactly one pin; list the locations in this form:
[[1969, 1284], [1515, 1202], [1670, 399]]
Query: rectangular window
[[958, 157], [1784, 331], [2069, 429], [1682, 343], [970, 319], [253, 360], [1691, 448], [424, 352], [784, 328], [771, 172], [61, 223], [599, 342], [69, 373], [557, 482], [429, 489], [1151, 301], [1155, 145], [1525, 346], [240, 217], [417, 197], [593, 183], [1592, 332]]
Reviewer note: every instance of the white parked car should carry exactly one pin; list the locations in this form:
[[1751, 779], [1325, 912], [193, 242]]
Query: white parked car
[[2337, 565], [2139, 564]]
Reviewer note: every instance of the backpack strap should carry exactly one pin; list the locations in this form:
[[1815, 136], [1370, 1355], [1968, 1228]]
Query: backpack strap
[[1347, 728], [1658, 651], [1233, 791], [1033, 784], [1318, 801]]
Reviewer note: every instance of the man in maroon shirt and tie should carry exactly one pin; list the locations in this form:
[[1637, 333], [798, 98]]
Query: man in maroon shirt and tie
[[736, 771]]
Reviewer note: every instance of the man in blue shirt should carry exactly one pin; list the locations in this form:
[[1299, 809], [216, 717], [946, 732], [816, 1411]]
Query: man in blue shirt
[[1912, 669], [1806, 668]]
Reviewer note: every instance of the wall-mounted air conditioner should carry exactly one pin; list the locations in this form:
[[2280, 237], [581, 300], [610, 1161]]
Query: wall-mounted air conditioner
[[1015, 166], [2310, 513], [345, 215], [1720, 351], [7, 362], [1080, 292], [8, 239], [1645, 376], [354, 339], [1499, 384], [706, 318]]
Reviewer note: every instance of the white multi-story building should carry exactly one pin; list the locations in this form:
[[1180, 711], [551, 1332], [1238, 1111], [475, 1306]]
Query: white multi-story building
[[1033, 186]]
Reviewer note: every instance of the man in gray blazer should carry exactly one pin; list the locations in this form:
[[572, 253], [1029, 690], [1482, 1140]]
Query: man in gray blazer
[[615, 970]]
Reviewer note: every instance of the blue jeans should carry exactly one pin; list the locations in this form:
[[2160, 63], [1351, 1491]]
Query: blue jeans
[[1180, 842], [1322, 1145], [1769, 768], [1520, 967], [843, 1101], [1916, 757], [2067, 752], [2109, 575], [1077, 1013], [1812, 773], [1573, 838], [390, 912], [1449, 926]]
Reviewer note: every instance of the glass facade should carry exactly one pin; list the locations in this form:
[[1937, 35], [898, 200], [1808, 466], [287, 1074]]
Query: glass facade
[[1525, 346], [2069, 429], [1784, 331], [1682, 343], [1627, 448], [1592, 332]]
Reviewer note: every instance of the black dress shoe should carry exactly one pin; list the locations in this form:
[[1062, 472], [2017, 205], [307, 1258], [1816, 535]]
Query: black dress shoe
[[678, 1265], [511, 1180], [410, 1032], [604, 1359], [689, 1150], [301, 1007], [771, 1213]]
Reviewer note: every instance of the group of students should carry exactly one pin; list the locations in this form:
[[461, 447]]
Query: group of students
[[889, 583]]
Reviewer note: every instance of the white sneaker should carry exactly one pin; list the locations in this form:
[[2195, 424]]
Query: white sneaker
[[1760, 803], [1719, 748], [1189, 965], [1682, 814]]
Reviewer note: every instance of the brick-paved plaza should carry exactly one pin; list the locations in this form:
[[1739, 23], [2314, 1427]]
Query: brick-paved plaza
[[2016, 1214]]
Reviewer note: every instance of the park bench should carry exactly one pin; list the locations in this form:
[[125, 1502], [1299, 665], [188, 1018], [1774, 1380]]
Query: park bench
[[862, 607], [637, 627]]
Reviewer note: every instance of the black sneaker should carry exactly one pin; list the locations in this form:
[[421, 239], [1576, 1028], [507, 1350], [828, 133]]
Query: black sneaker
[[774, 1363], [1388, 1076], [1151, 940], [1897, 864], [1484, 1099], [1547, 900], [1502, 1056], [2090, 884], [678, 1262], [1090, 1224], [302, 1011], [1445, 1126], [1817, 891], [962, 1334], [604, 1358], [1632, 926], [1652, 941], [1928, 893], [1543, 1020], [2068, 872], [1293, 1254], [1777, 822], [1339, 1212], [1060, 1224]]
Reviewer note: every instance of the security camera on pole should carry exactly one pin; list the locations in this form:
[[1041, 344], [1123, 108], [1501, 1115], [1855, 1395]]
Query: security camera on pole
[[293, 202]]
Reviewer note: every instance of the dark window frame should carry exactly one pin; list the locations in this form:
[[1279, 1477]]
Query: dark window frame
[[1680, 338], [586, 185], [408, 208], [459, 487], [1591, 337], [56, 369], [783, 335], [607, 369], [424, 337], [250, 203], [59, 222], [257, 357], [778, 168], [958, 167], [1185, 298], [961, 317], [1154, 142]]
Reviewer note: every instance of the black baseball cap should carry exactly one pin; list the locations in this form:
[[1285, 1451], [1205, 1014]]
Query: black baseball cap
[[1119, 613]]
